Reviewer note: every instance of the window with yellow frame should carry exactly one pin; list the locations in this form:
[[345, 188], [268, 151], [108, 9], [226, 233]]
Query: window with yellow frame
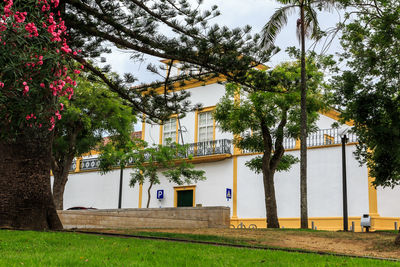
[[205, 125], [169, 129]]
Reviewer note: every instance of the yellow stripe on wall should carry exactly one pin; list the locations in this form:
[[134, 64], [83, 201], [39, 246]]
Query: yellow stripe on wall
[[234, 197]]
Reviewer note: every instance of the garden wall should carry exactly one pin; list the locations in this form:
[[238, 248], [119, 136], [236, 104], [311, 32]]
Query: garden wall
[[199, 217]]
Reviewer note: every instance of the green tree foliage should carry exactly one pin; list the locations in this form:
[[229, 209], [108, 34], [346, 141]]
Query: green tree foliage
[[148, 162], [307, 27], [91, 113], [261, 120], [368, 90]]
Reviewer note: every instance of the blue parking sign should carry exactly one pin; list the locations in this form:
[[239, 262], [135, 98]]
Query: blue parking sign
[[228, 193], [160, 194]]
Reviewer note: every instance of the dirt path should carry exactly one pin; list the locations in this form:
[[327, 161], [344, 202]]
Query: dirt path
[[361, 244]]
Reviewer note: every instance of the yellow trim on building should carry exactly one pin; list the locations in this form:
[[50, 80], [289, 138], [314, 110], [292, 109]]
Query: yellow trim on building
[[235, 188], [372, 197], [328, 139], [78, 164], [333, 114], [143, 128], [297, 144], [90, 153], [321, 223], [190, 84], [196, 125], [236, 150], [182, 188], [140, 195]]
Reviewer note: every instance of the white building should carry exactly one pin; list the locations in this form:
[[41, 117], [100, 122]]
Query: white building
[[225, 169]]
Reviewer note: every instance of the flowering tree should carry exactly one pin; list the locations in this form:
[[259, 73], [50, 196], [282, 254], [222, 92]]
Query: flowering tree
[[34, 74]]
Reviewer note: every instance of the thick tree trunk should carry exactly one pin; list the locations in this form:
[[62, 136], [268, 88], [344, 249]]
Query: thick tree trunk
[[148, 195], [60, 172], [25, 200], [270, 199], [303, 131]]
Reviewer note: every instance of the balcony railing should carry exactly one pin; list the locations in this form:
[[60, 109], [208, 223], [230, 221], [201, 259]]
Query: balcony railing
[[328, 137], [216, 147], [208, 148], [224, 146], [319, 138]]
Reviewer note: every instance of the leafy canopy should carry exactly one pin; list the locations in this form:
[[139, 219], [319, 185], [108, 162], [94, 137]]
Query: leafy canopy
[[34, 71], [369, 88], [148, 162], [93, 112], [261, 119]]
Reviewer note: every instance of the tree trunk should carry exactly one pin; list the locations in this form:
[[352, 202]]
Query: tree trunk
[[269, 194], [303, 131], [25, 200], [148, 195], [60, 180], [270, 199]]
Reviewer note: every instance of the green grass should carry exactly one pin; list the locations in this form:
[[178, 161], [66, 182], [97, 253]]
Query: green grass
[[26, 248]]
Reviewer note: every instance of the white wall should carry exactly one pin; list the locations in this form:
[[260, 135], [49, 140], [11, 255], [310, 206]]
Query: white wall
[[388, 200], [210, 192], [325, 122], [90, 189], [207, 95], [324, 187]]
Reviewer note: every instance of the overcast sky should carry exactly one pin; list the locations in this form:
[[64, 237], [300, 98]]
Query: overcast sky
[[234, 13]]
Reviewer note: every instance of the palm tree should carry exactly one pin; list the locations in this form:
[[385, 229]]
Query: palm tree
[[307, 26]]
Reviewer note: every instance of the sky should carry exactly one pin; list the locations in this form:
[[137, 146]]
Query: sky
[[234, 13]]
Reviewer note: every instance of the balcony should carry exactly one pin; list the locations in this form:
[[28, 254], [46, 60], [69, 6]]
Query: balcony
[[201, 152], [325, 137], [210, 151]]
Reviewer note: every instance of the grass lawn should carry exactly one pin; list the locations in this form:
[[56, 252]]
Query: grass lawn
[[27, 248]]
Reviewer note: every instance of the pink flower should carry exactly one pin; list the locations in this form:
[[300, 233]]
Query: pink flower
[[56, 2], [52, 123], [20, 16], [61, 106], [42, 85], [77, 71], [1, 84], [31, 28], [58, 115], [26, 89]]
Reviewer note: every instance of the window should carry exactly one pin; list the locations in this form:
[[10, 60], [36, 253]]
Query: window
[[206, 126], [169, 130]]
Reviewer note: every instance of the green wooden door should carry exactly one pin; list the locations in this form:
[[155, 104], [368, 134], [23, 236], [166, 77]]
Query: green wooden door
[[185, 198]]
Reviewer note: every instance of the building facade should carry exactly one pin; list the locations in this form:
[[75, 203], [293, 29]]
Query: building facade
[[230, 183]]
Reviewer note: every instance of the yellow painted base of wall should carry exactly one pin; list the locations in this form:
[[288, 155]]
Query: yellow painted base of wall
[[321, 223]]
